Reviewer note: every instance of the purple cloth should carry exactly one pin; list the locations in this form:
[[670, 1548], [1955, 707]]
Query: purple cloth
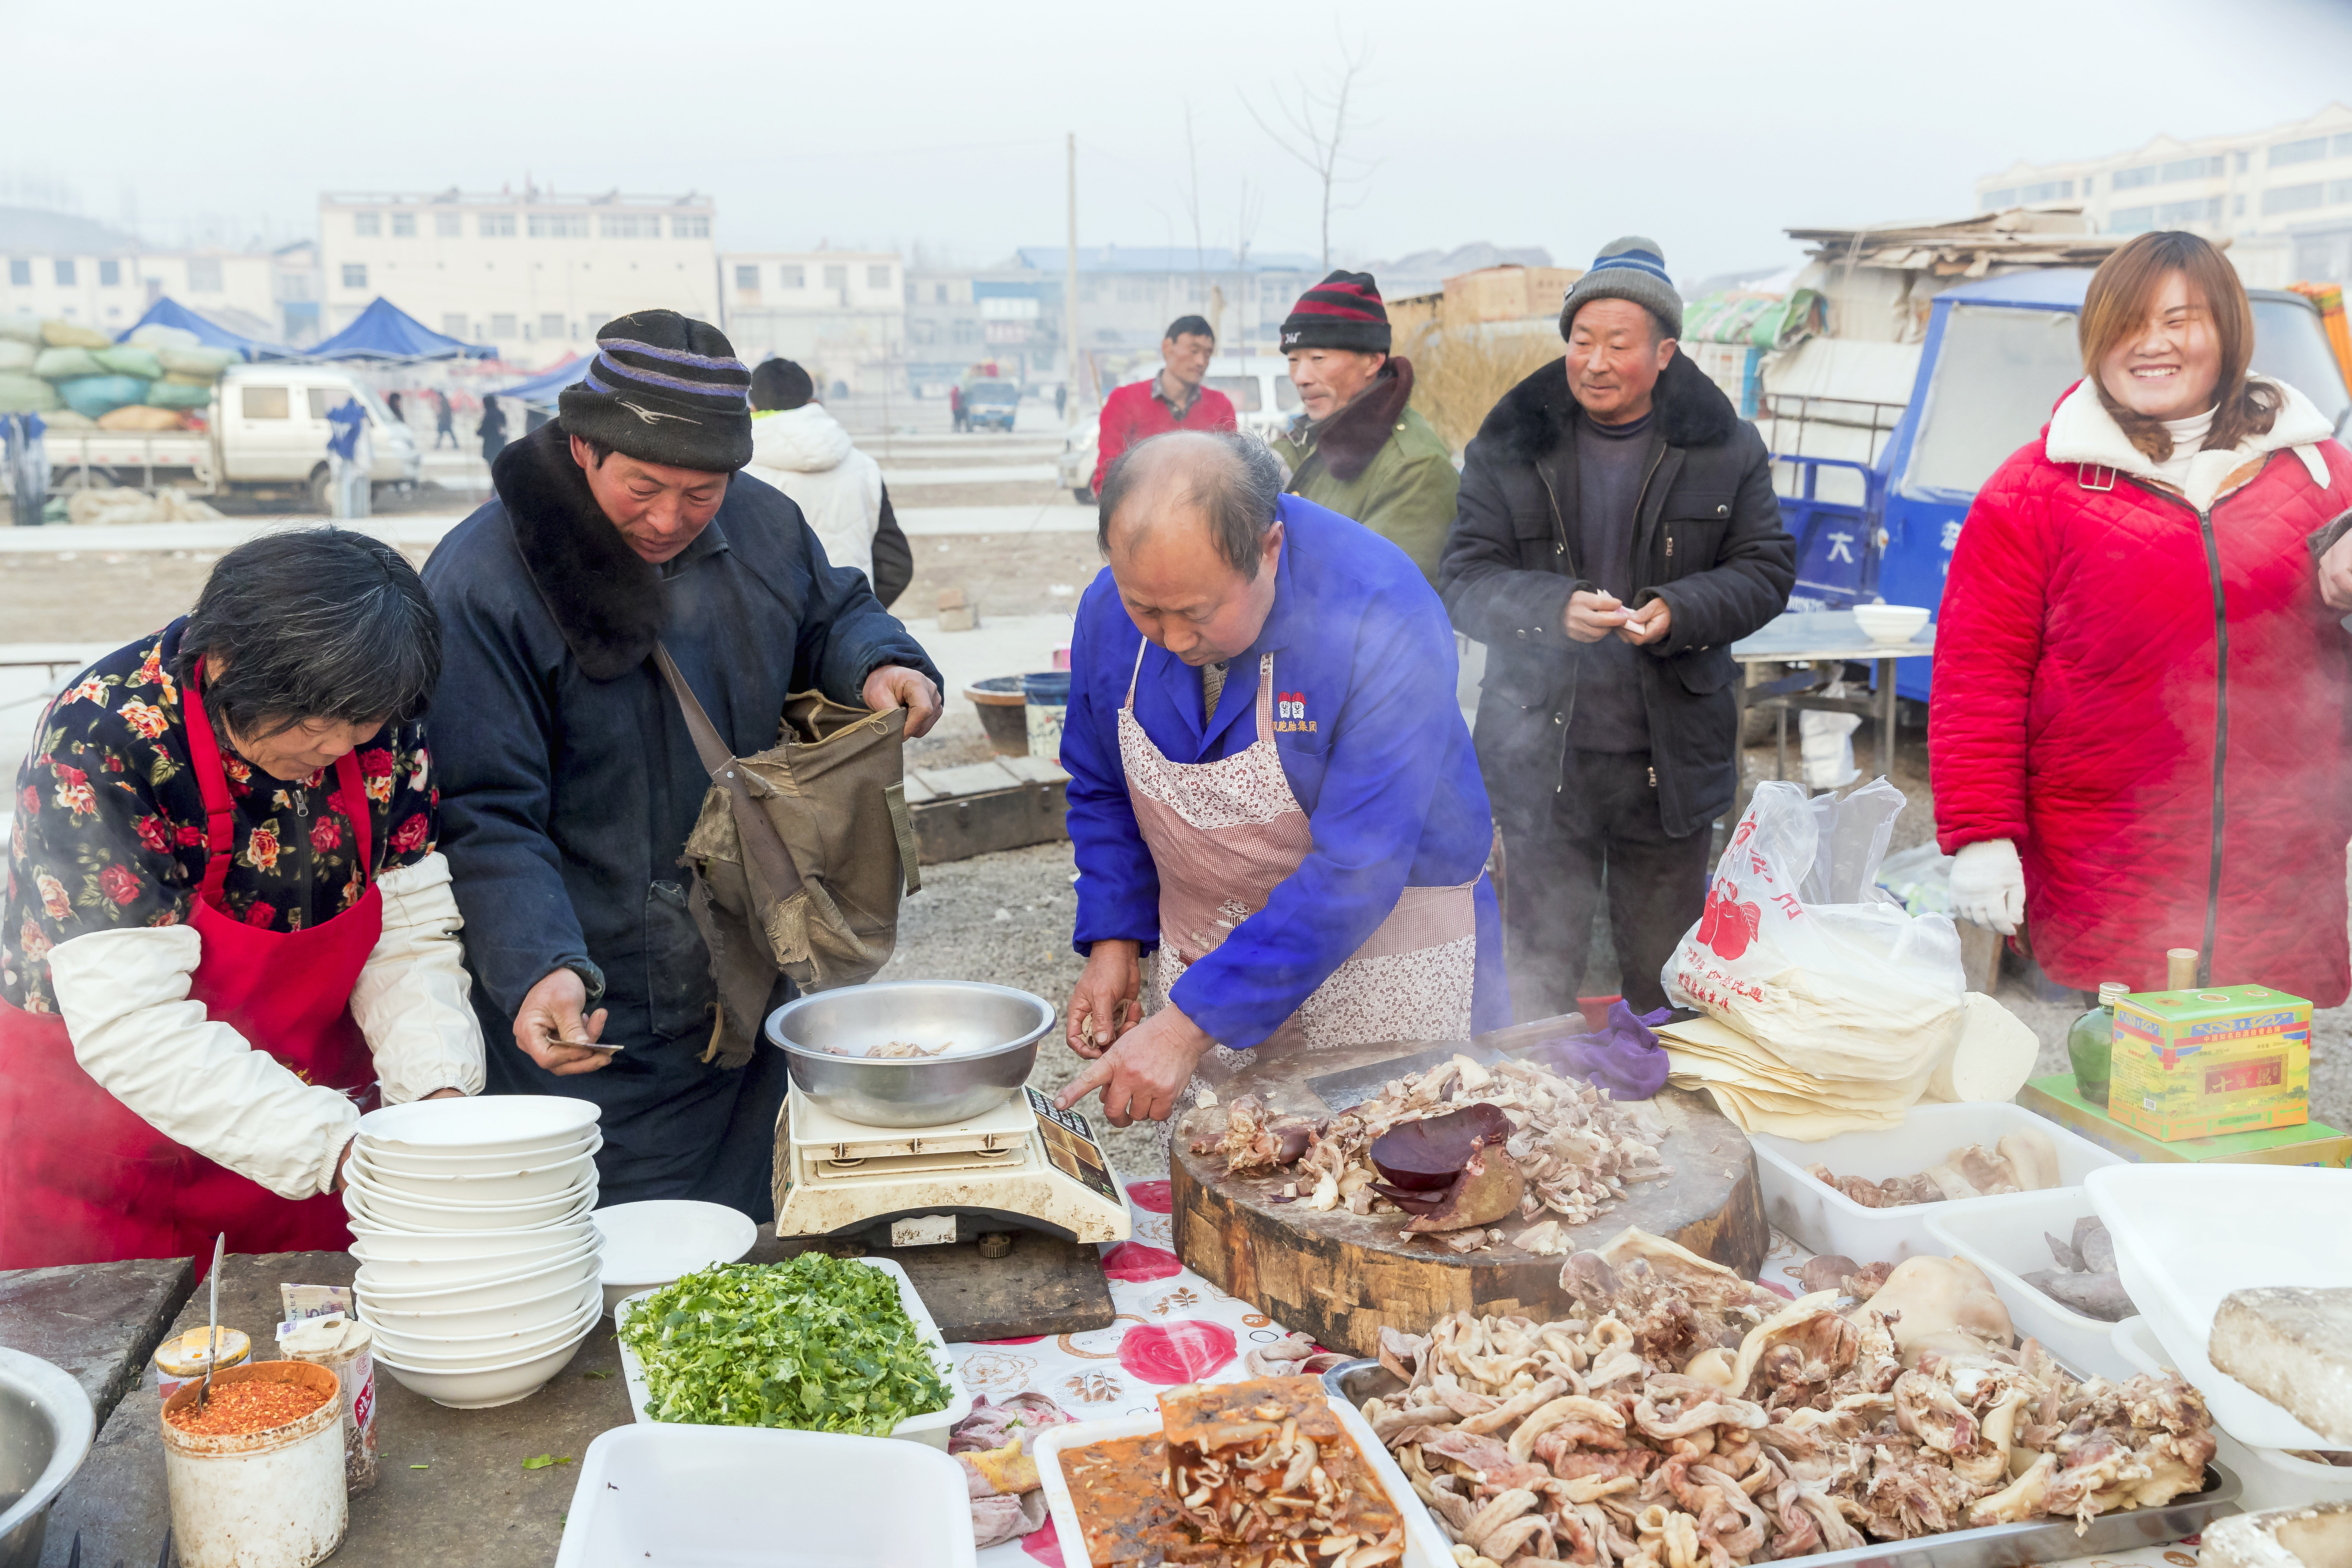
[[1624, 1056]]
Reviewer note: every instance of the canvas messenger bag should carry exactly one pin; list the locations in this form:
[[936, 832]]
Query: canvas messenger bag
[[800, 855]]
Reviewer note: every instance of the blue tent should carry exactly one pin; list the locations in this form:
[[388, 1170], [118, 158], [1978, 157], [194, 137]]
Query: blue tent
[[385, 331], [169, 312], [543, 387]]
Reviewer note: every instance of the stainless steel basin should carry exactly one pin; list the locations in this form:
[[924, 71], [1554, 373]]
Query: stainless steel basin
[[996, 1028], [46, 1427]]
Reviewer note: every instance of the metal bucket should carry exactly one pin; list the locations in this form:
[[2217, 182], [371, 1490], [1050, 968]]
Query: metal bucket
[[46, 1428], [262, 1500], [997, 1026]]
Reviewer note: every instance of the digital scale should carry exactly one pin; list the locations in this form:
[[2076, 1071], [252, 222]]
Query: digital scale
[[1023, 1165]]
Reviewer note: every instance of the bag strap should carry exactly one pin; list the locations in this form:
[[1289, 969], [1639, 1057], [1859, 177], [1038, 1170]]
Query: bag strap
[[767, 860], [902, 828]]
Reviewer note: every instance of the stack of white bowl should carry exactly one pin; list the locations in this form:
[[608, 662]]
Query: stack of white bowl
[[478, 1265]]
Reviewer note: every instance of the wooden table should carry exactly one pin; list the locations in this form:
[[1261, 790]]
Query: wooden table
[[1823, 640]]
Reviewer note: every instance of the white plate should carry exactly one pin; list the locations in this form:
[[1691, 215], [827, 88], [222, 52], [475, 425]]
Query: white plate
[[512, 1285], [932, 1427], [2002, 1236], [390, 1212], [1425, 1546], [396, 1157], [481, 1388], [1821, 1219], [479, 1124], [373, 1243], [395, 1263], [2187, 1235], [652, 1244], [512, 1186]]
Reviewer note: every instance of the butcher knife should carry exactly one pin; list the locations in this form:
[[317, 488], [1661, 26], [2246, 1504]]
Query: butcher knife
[[1353, 1086]]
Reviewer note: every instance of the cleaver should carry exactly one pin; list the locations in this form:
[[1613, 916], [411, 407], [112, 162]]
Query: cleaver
[[1353, 1086]]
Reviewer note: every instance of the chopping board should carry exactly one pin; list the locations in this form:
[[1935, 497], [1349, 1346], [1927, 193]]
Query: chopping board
[[1339, 1278]]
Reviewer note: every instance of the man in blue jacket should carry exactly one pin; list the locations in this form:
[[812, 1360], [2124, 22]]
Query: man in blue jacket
[[569, 781], [1270, 783]]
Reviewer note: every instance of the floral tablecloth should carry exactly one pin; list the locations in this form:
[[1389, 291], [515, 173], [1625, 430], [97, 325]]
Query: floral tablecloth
[[1172, 1326]]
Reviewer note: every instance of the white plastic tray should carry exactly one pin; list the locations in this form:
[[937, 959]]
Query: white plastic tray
[[1425, 1546], [931, 1428], [1821, 1219], [2187, 1235], [2002, 1236], [726, 1497], [2271, 1477]]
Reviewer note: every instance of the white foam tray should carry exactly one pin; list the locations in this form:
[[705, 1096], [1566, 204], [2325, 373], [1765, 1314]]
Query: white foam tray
[[2002, 1236], [1425, 1546], [2271, 1477], [1820, 1218], [2187, 1235], [724, 1497], [931, 1428]]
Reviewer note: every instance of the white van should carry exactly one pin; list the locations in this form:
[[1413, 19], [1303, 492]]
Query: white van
[[268, 429], [1259, 387]]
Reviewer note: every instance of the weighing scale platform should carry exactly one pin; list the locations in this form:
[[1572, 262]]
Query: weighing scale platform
[[1022, 1165]]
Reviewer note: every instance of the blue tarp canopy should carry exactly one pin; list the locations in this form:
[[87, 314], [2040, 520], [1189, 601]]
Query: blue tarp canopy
[[169, 312], [385, 331], [544, 386]]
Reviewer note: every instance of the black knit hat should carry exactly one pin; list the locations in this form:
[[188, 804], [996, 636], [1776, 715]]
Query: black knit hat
[[1343, 312], [664, 388]]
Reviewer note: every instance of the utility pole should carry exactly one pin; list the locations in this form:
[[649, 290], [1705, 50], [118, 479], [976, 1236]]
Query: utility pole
[[1070, 283]]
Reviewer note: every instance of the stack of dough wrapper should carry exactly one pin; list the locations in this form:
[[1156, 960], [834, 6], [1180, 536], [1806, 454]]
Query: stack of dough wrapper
[[1850, 1088]]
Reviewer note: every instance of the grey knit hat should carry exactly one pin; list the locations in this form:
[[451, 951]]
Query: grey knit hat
[[1632, 268], [664, 388]]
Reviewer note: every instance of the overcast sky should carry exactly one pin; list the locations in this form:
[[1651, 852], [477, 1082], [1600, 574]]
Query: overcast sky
[[1707, 124]]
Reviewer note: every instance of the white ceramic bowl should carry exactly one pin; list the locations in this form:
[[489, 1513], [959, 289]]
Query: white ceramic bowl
[[514, 1186], [508, 1285], [503, 1162], [1890, 623], [398, 1211], [399, 1260], [444, 1335], [483, 1387], [653, 1243], [428, 1354], [479, 1124]]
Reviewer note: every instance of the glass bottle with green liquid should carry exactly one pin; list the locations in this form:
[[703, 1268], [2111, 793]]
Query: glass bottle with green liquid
[[2089, 1046]]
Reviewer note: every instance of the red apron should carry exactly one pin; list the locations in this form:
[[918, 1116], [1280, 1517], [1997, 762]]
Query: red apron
[[84, 1179]]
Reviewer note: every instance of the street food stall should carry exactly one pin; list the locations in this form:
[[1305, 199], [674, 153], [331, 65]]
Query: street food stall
[[1803, 1269]]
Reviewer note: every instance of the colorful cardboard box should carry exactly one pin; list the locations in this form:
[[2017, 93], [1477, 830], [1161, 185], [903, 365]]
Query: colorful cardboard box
[[2203, 1062], [2313, 1143]]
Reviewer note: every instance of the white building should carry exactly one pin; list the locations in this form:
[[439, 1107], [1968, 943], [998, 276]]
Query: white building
[[535, 273], [2281, 195], [56, 265], [841, 314]]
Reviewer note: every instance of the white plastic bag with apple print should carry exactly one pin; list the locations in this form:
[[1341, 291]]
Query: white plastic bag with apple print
[[1800, 951]]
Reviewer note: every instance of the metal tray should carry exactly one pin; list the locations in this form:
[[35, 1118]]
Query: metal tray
[[1994, 1546]]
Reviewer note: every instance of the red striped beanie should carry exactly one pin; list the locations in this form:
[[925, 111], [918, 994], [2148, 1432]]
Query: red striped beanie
[[1343, 312]]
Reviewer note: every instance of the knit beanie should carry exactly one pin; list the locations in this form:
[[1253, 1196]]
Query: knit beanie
[[1634, 269], [1343, 312], [664, 388]]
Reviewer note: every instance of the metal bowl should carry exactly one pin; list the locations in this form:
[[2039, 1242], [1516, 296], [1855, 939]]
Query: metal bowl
[[1007, 1025], [46, 1427]]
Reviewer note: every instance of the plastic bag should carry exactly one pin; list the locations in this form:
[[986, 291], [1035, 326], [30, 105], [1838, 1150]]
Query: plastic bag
[[1825, 744], [168, 394], [63, 334], [17, 326], [15, 355], [1921, 877], [129, 359], [139, 417], [156, 335], [23, 394], [64, 365], [198, 361], [99, 396], [1800, 951]]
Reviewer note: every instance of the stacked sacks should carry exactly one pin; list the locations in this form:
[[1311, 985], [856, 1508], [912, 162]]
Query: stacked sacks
[[46, 365], [21, 391]]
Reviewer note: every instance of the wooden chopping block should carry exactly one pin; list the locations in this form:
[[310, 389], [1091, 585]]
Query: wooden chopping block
[[1339, 1278]]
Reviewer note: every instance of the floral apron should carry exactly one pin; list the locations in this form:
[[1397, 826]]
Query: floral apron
[[84, 1179], [1223, 834]]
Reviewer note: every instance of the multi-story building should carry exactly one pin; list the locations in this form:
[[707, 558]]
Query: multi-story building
[[2281, 195], [534, 273], [57, 265], [840, 313]]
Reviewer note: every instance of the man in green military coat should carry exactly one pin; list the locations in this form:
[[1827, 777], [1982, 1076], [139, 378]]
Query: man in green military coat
[[1357, 448]]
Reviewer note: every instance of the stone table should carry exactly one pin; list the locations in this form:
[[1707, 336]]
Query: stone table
[[99, 1322], [472, 1504]]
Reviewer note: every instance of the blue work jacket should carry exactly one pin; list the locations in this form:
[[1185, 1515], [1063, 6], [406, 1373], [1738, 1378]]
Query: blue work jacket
[[1371, 742]]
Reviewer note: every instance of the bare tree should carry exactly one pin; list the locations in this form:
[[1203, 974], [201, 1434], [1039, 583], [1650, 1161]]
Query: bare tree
[[1193, 206], [1315, 131]]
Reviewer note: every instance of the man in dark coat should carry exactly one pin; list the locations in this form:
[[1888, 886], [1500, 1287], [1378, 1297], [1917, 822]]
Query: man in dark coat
[[1617, 533], [569, 780]]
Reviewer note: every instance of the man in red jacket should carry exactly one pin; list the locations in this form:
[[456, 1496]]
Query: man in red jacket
[[1173, 400]]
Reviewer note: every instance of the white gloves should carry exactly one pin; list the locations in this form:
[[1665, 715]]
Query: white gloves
[[1989, 885]]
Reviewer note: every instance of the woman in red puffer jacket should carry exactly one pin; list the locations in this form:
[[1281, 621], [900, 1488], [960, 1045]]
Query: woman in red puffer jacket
[[2139, 737]]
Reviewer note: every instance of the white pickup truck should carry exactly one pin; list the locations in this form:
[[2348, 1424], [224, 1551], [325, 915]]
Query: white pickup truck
[[267, 430]]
